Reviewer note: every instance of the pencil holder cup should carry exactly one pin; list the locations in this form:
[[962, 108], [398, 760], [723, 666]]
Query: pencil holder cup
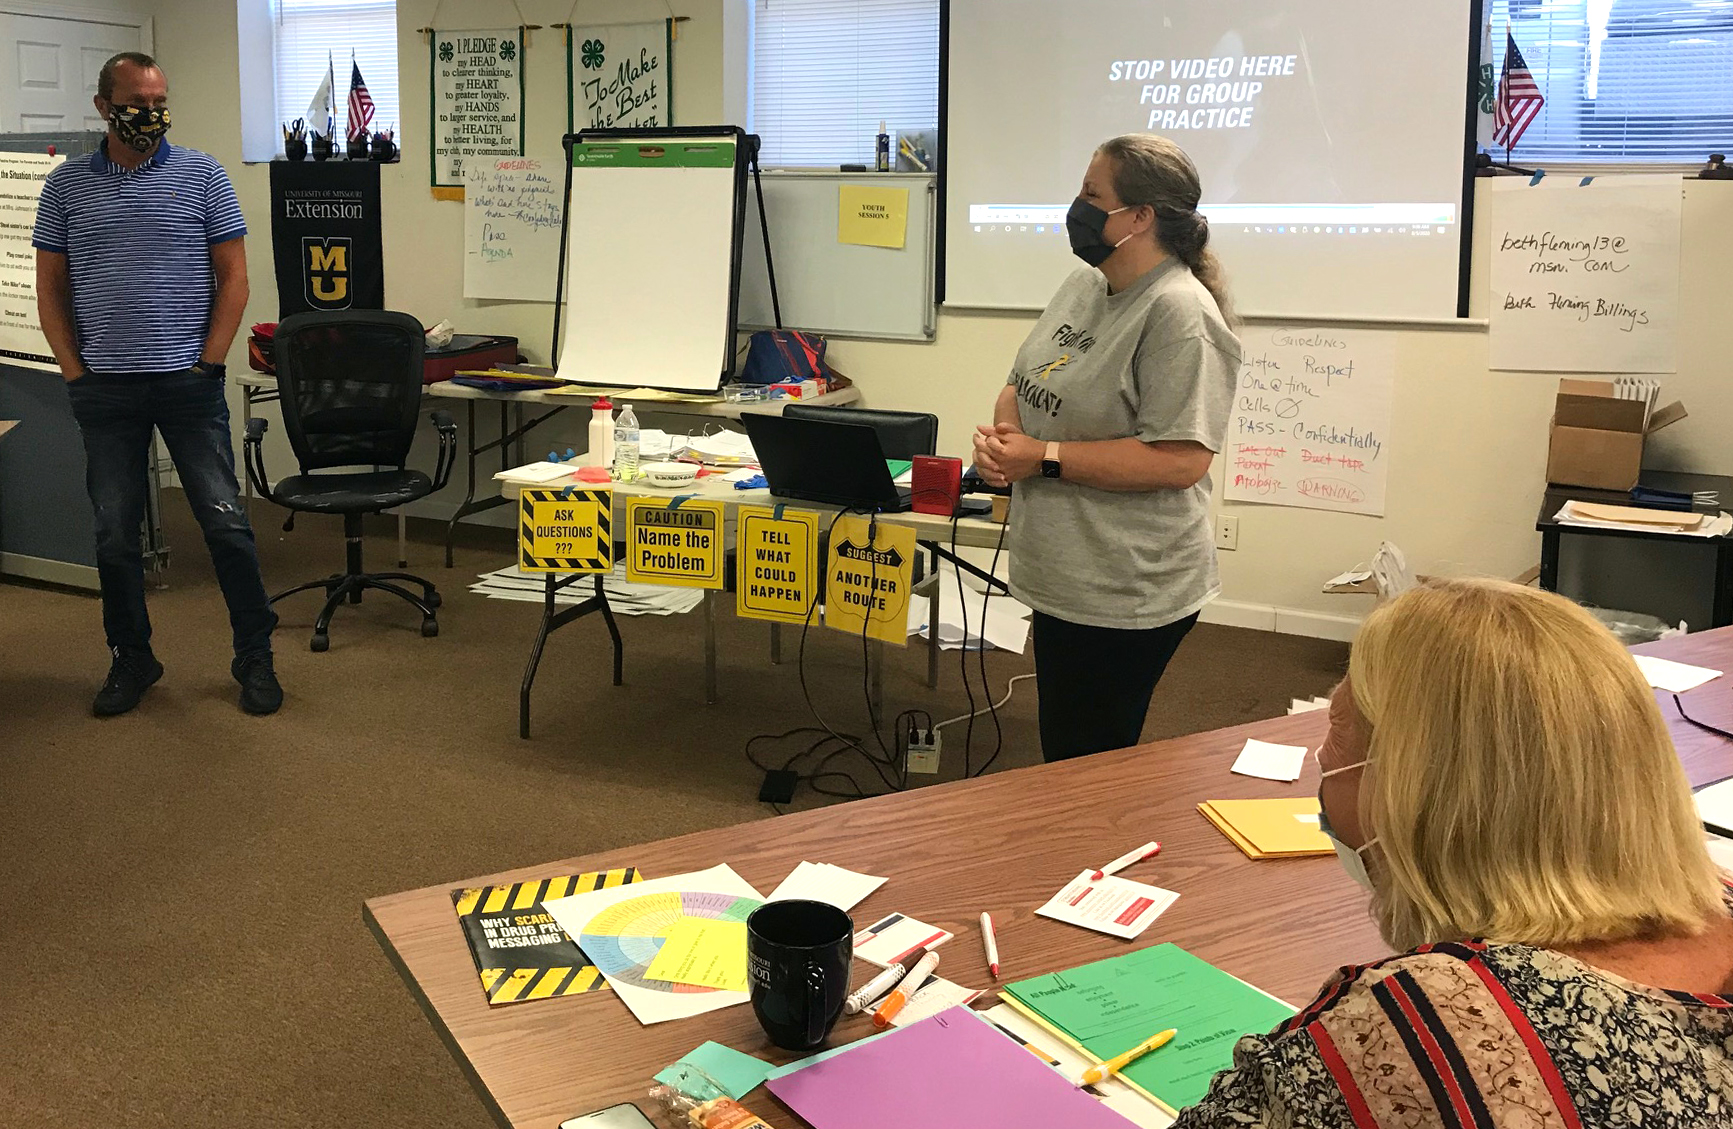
[[294, 150]]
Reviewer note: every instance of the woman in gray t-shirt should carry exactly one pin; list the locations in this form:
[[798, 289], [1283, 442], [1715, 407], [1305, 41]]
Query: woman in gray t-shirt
[[1116, 406]]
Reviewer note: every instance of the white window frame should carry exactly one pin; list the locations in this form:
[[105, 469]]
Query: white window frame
[[261, 129]]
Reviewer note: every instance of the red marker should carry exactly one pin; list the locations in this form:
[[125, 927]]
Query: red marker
[[1148, 850], [992, 943]]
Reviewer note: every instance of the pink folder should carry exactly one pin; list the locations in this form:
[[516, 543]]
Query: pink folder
[[947, 1071]]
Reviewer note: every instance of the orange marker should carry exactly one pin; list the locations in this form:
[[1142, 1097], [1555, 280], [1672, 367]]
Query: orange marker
[[899, 996]]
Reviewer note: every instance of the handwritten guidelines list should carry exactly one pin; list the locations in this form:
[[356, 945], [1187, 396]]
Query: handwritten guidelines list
[[1311, 419], [511, 229], [1585, 278]]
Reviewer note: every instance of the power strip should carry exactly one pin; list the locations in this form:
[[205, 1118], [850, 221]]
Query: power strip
[[923, 751]]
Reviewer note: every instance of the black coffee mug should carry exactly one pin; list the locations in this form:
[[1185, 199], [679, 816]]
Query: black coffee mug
[[798, 956]]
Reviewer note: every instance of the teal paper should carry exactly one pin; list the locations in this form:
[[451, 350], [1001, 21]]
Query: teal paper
[[737, 1073]]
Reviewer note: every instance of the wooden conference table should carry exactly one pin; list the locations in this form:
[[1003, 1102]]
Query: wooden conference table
[[1004, 843]]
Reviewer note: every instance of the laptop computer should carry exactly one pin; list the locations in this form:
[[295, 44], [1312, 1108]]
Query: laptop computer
[[839, 464]]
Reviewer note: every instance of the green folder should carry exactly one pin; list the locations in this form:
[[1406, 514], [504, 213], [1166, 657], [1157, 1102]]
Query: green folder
[[899, 466], [1110, 1006]]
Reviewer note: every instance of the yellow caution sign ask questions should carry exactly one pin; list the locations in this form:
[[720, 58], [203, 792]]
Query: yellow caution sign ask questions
[[776, 558], [867, 579], [674, 543], [566, 531]]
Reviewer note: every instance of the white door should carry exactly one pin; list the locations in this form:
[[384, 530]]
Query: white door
[[49, 63]]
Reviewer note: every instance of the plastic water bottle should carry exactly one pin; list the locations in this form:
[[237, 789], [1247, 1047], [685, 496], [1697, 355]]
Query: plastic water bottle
[[626, 439], [601, 452]]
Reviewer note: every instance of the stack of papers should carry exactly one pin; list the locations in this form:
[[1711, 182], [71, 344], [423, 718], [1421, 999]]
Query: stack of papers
[[1638, 388], [952, 1069], [822, 882], [624, 596], [1270, 829], [1110, 1006], [1270, 762], [1591, 515], [1007, 619], [722, 448], [1307, 705]]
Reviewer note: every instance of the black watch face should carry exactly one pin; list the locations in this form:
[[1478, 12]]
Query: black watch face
[[1049, 468]]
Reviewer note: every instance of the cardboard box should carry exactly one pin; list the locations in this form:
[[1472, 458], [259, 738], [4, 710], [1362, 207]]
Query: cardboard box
[[1597, 439]]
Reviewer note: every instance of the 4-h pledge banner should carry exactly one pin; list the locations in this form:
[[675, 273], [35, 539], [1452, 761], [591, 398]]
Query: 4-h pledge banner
[[478, 99], [325, 236], [620, 76]]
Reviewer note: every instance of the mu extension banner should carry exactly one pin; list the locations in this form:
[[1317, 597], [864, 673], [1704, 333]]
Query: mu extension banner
[[325, 236]]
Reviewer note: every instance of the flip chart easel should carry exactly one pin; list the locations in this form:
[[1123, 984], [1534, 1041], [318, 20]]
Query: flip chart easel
[[651, 241]]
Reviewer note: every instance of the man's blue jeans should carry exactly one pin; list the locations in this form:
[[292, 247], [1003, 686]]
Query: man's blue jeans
[[116, 412]]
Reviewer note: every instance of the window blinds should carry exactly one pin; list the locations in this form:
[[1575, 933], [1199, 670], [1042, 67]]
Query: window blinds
[[825, 73], [307, 29], [1624, 80]]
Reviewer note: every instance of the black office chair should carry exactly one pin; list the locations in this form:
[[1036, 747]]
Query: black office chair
[[350, 384], [902, 435]]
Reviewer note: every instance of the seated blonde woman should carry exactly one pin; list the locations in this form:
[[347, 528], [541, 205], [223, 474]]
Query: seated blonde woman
[[1498, 774]]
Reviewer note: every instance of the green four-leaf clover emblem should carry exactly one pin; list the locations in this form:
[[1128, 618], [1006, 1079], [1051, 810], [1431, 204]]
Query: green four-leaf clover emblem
[[508, 50], [594, 54], [445, 51]]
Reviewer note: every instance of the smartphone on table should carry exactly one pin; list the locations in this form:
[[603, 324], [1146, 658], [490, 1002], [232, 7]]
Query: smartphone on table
[[622, 1116]]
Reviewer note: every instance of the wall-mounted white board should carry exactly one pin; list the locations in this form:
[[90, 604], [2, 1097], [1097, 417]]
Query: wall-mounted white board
[[511, 228], [827, 286]]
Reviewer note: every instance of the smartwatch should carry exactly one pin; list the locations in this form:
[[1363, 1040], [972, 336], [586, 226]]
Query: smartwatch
[[1050, 462], [210, 368]]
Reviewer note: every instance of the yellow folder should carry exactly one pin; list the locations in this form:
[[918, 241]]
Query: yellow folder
[[1280, 828]]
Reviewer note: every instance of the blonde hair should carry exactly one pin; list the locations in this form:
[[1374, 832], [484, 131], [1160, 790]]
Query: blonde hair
[[1520, 780], [1151, 170]]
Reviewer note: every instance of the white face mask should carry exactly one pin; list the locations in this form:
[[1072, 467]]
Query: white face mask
[[1350, 857]]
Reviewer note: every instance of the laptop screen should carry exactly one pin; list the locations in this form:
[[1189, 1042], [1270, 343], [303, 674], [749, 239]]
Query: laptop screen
[[840, 464]]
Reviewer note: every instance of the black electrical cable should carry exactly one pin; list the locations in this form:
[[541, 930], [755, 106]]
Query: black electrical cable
[[992, 706]]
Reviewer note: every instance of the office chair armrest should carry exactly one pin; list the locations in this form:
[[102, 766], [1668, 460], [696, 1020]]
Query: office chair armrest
[[254, 455], [447, 448]]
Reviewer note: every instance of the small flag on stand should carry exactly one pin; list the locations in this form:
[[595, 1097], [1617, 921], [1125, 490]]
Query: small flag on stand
[[1519, 97], [360, 103]]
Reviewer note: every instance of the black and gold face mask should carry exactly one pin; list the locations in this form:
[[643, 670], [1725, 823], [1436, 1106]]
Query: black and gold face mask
[[139, 127]]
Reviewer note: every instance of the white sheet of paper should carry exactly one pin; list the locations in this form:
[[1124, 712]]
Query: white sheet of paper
[[543, 471], [1665, 674], [1715, 805], [1112, 905], [936, 995], [575, 913], [822, 882], [1270, 762], [893, 937]]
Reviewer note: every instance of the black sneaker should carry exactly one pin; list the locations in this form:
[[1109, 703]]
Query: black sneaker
[[129, 676], [260, 693]]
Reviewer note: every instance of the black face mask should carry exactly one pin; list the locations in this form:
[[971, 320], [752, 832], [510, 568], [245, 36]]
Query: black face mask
[[139, 128], [1085, 223]]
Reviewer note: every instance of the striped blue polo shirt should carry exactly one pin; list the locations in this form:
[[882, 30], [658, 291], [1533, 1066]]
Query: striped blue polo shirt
[[137, 245]]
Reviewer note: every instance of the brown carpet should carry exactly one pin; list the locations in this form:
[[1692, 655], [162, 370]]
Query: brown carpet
[[180, 915]]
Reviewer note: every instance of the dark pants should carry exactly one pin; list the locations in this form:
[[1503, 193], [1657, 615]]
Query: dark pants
[[116, 413], [1095, 683]]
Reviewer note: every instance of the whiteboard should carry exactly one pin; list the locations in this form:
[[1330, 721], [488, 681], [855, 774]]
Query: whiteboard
[[651, 234], [839, 288], [511, 226]]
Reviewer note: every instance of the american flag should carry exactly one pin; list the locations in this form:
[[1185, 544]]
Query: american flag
[[1519, 97], [360, 103]]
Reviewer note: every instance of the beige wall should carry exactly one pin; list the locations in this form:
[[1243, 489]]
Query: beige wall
[[1467, 444]]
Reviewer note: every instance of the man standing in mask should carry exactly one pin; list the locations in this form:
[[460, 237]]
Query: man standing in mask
[[141, 279]]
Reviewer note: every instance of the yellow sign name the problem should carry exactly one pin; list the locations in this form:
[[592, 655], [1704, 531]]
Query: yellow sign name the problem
[[872, 217], [776, 563], [867, 579], [566, 531], [678, 545]]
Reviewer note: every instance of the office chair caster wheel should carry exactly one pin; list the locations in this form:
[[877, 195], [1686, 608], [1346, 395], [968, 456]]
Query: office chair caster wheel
[[433, 600], [429, 628], [320, 643]]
